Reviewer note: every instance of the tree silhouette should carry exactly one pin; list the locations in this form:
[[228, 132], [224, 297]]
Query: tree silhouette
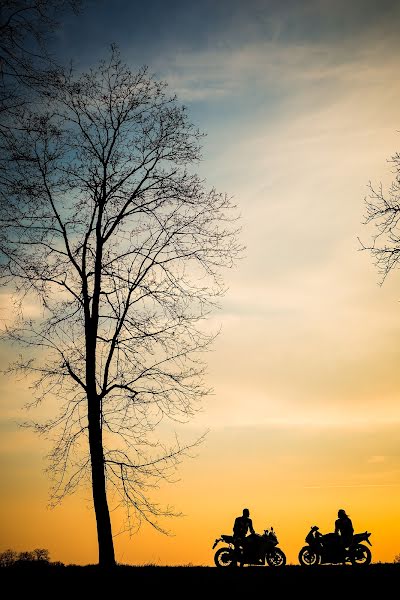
[[25, 28], [383, 210], [10, 557], [104, 222]]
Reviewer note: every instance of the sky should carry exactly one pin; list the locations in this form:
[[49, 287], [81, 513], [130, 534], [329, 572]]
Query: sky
[[299, 101]]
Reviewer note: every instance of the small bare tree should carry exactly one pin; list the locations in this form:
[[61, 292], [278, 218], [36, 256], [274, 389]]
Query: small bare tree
[[104, 222], [383, 209], [8, 558]]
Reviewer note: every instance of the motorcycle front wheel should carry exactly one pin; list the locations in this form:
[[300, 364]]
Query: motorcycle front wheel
[[309, 557], [224, 558], [360, 555], [276, 558]]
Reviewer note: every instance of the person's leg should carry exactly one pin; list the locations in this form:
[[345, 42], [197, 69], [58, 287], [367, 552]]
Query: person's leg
[[238, 545]]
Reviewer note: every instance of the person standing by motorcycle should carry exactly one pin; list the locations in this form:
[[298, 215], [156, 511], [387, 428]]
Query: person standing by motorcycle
[[344, 528], [241, 527]]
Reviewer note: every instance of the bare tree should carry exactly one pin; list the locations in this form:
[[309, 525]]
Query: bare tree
[[106, 224], [9, 557], [383, 210], [25, 29], [41, 554]]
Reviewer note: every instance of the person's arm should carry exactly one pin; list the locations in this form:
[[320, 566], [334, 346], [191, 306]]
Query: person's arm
[[251, 526], [234, 527], [337, 529], [351, 528]]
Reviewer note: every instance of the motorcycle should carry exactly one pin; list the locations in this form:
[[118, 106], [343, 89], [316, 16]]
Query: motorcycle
[[328, 549], [256, 549]]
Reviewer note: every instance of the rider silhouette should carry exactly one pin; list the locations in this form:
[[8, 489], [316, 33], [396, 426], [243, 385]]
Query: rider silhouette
[[241, 526], [344, 528]]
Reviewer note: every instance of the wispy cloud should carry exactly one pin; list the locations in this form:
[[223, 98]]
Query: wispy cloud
[[358, 485], [220, 73]]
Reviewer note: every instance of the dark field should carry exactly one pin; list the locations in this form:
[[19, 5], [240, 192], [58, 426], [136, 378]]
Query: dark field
[[192, 582]]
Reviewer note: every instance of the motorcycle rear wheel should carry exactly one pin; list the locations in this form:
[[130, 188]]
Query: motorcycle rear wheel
[[276, 558], [309, 557], [224, 557], [360, 556]]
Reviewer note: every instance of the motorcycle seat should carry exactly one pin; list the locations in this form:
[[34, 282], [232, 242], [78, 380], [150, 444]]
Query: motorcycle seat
[[227, 538]]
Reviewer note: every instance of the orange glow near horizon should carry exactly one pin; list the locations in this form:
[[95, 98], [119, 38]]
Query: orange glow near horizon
[[290, 492]]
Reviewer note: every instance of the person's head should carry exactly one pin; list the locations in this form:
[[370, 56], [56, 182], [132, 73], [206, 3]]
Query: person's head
[[246, 512], [341, 513]]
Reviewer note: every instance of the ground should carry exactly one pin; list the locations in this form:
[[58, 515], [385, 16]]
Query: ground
[[193, 582]]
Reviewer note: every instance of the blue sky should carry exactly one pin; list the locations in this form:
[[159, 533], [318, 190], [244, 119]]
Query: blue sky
[[299, 101], [158, 27]]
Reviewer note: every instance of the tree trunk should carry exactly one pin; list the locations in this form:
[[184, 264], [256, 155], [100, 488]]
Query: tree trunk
[[103, 521]]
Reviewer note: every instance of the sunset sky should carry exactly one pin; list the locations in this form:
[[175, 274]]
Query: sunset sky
[[300, 104]]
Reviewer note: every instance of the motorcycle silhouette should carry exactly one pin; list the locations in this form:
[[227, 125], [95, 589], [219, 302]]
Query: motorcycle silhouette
[[328, 549], [256, 549]]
